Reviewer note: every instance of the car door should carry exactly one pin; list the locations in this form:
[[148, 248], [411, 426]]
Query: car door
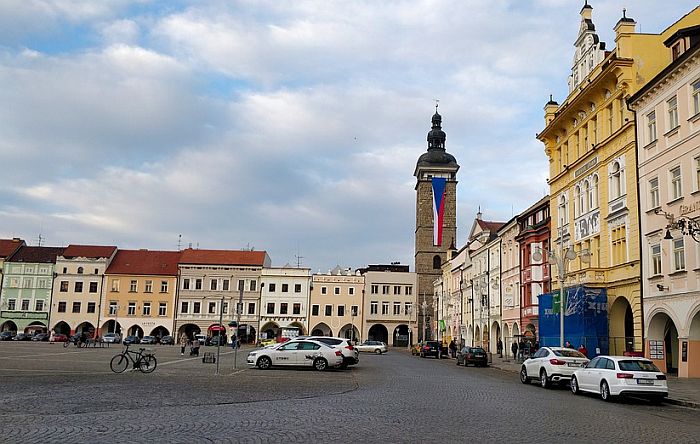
[[307, 353], [287, 354], [533, 364], [586, 376], [598, 373]]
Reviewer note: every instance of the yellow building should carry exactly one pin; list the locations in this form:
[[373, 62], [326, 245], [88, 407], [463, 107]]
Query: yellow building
[[590, 142]]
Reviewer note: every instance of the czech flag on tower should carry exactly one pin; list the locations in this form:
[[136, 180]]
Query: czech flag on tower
[[439, 185]]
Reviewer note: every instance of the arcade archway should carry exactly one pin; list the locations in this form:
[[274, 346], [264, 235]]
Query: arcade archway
[[378, 332], [8, 326], [188, 330], [62, 328], [621, 327], [321, 330], [401, 336]]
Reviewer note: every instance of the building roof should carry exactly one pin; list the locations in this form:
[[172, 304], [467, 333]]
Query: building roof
[[224, 257], [490, 225], [36, 255], [89, 251], [9, 246], [144, 262]]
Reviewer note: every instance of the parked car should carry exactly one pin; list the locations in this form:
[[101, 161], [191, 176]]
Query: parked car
[[305, 352], [612, 376], [472, 355], [22, 337], [6, 335], [59, 337], [148, 340], [214, 340], [167, 340], [112, 338], [131, 339], [267, 342], [552, 364], [377, 347], [434, 348], [201, 338], [41, 337], [351, 355]]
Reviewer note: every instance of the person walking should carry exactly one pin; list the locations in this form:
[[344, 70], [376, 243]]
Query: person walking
[[521, 349], [582, 349], [499, 348], [453, 349], [234, 342], [183, 344], [514, 349]]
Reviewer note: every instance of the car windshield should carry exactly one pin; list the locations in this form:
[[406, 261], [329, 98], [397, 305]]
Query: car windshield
[[478, 350], [568, 353], [638, 366]]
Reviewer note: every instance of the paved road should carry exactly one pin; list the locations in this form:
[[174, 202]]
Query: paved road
[[50, 394]]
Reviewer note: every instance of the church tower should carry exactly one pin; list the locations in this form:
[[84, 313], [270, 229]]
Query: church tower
[[436, 220]]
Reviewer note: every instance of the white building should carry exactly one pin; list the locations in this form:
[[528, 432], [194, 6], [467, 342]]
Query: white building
[[284, 300]]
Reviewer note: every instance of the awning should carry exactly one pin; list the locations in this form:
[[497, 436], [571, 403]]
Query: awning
[[217, 328]]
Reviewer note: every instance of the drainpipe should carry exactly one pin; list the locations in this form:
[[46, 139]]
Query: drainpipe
[[99, 305]]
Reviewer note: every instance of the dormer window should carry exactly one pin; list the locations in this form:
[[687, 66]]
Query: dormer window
[[676, 50]]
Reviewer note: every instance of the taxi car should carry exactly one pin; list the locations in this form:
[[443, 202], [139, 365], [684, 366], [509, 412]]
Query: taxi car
[[304, 353]]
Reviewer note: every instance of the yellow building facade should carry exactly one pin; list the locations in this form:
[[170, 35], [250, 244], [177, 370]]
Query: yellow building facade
[[590, 142]]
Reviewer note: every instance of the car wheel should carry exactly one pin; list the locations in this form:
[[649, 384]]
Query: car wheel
[[264, 363], [320, 364], [605, 392], [378, 352], [544, 380], [523, 375], [574, 385]]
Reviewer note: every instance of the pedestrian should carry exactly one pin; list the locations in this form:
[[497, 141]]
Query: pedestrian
[[195, 348], [183, 344], [567, 344], [582, 350], [514, 349], [234, 341], [521, 349], [499, 348], [453, 349]]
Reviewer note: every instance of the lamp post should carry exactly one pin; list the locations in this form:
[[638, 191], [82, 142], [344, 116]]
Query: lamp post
[[409, 313], [424, 305], [562, 259]]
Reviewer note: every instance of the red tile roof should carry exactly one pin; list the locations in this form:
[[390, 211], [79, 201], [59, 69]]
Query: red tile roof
[[490, 226], [144, 262], [224, 257], [9, 246], [36, 255], [89, 251]]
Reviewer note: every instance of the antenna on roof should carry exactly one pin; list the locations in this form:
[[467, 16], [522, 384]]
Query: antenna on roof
[[40, 240], [179, 242], [298, 258]]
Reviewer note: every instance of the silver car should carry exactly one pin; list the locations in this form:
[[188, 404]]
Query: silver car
[[112, 338], [377, 347]]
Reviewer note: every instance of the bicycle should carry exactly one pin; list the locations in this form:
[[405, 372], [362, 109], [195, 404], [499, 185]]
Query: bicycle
[[145, 362], [76, 342]]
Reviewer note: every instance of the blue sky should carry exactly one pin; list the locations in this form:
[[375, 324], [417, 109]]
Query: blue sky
[[288, 126]]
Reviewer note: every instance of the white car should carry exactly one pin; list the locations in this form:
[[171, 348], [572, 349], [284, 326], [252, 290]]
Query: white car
[[377, 347], [351, 355], [296, 353], [552, 364], [612, 376], [112, 338]]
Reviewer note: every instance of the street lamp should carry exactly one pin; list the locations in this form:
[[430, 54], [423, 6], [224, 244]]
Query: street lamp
[[686, 226], [562, 260], [424, 305], [409, 313]]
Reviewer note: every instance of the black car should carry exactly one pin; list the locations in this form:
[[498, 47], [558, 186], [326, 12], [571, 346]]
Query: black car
[[6, 336], [132, 340], [214, 340], [41, 337], [433, 348], [22, 337], [472, 355], [167, 340]]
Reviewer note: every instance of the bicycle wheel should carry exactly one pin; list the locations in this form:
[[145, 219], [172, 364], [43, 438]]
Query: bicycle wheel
[[119, 363], [147, 363]]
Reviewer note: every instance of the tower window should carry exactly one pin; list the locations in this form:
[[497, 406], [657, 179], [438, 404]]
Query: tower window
[[436, 262]]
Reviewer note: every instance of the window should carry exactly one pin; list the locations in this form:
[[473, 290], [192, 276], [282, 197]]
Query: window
[[284, 308], [697, 173], [397, 308], [212, 284], [27, 283], [676, 51], [253, 285], [146, 308], [185, 307], [241, 284], [65, 270], [296, 309], [594, 125], [696, 97], [93, 287], [272, 288], [91, 307], [655, 259], [113, 307], [80, 270], [351, 291], [651, 127], [251, 308], [373, 307], [148, 286], [336, 290], [593, 196], [186, 284], [314, 310], [64, 286], [619, 244], [163, 286], [162, 309], [676, 189], [61, 306], [285, 288], [196, 307], [610, 119], [97, 271], [329, 310], [76, 307], [374, 289], [615, 181], [408, 308], [39, 305], [436, 262], [41, 283], [578, 201], [672, 113], [131, 309], [654, 193], [224, 308], [678, 255], [297, 288], [385, 289], [25, 304], [212, 308], [353, 310], [408, 291], [341, 310], [324, 290], [225, 284], [385, 308], [132, 287], [586, 196], [270, 308], [197, 284], [78, 287], [397, 289]]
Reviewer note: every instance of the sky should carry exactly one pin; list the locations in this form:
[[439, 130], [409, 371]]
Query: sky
[[286, 126]]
